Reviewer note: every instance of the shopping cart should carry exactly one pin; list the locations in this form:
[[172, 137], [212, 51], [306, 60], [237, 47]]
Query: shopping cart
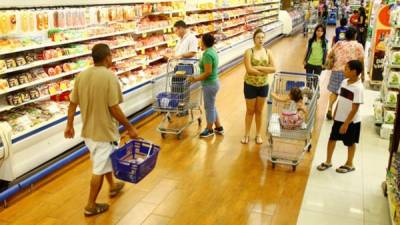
[[176, 96], [289, 145]]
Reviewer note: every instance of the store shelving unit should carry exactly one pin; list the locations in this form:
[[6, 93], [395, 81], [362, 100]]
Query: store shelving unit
[[44, 141]]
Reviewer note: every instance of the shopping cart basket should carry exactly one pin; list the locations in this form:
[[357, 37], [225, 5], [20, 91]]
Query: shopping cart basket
[[133, 161], [175, 95], [289, 145]]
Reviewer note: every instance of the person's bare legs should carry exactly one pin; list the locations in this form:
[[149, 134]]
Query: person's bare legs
[[350, 155], [95, 187], [250, 111], [260, 103], [330, 150]]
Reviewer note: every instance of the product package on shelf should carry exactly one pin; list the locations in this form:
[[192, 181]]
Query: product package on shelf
[[393, 188]]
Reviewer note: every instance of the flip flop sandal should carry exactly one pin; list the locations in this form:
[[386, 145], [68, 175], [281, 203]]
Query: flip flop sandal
[[245, 140], [345, 169], [98, 209], [114, 192], [329, 115], [324, 166], [259, 141]]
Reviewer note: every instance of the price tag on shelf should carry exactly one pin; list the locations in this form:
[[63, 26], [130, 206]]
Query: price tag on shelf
[[156, 48], [142, 51], [165, 30], [144, 35]]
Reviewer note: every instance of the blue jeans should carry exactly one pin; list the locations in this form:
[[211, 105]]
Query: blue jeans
[[209, 95]]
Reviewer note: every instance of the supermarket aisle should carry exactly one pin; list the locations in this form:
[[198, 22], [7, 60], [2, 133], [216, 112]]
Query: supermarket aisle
[[215, 181], [355, 198]]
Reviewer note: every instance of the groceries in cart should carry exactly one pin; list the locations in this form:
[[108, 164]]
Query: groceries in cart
[[135, 160], [293, 116]]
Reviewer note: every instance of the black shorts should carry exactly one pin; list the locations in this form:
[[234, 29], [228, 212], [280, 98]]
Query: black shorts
[[352, 135], [251, 92]]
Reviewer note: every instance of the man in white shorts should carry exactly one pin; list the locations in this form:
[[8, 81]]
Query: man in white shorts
[[98, 94]]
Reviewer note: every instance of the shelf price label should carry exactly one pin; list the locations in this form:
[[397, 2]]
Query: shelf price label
[[143, 51], [144, 35]]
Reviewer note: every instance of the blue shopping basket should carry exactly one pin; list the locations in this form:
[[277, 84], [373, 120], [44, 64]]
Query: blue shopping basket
[[126, 165]]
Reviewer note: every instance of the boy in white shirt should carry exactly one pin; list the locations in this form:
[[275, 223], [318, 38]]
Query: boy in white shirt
[[347, 124]]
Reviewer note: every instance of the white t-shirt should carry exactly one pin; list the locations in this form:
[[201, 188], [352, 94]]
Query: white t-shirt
[[349, 94], [189, 43]]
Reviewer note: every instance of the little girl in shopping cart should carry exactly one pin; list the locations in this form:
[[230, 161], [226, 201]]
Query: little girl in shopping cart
[[293, 116]]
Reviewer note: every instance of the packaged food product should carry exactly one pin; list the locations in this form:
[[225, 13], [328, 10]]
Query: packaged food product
[[20, 61], [391, 97], [34, 93], [12, 81], [29, 76], [44, 90], [30, 57], [51, 71], [3, 65], [25, 96], [11, 63], [394, 78], [389, 116], [23, 78], [39, 73], [58, 69], [3, 84]]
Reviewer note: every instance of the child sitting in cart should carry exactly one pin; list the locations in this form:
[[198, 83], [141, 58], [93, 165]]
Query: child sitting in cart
[[297, 110]]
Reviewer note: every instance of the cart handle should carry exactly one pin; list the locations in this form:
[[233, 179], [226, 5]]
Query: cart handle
[[296, 73], [185, 59]]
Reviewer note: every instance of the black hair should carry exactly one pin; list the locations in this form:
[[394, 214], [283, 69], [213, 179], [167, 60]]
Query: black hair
[[180, 24], [257, 32], [351, 34], [100, 52], [296, 94], [343, 22], [323, 38], [355, 65], [208, 40], [362, 12]]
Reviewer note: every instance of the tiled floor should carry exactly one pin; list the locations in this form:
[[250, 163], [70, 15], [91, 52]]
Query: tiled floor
[[349, 199]]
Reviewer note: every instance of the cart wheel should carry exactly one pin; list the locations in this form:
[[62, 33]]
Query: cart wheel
[[273, 165], [309, 148], [163, 135], [294, 168], [199, 121]]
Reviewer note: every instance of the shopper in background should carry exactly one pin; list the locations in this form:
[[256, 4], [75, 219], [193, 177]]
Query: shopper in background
[[316, 51], [342, 52], [259, 64], [354, 19], [362, 29], [187, 46], [97, 92], [340, 32], [307, 16], [347, 125], [210, 84], [325, 15]]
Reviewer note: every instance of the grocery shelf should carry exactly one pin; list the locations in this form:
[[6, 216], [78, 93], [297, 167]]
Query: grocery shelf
[[164, 13], [264, 17], [393, 66], [40, 81], [264, 3], [43, 62], [154, 45], [234, 25], [124, 57], [203, 21], [153, 30], [52, 44], [155, 59], [42, 98], [128, 69]]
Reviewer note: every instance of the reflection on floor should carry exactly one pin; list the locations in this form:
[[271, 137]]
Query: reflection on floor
[[355, 198]]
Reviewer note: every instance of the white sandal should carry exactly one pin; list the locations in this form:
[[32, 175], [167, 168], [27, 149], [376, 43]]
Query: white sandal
[[245, 140], [259, 140]]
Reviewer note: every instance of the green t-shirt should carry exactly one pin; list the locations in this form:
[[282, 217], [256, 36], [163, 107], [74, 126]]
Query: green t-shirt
[[317, 54], [210, 56]]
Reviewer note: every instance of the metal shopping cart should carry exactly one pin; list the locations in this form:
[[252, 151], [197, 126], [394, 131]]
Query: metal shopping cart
[[289, 145], [175, 96]]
